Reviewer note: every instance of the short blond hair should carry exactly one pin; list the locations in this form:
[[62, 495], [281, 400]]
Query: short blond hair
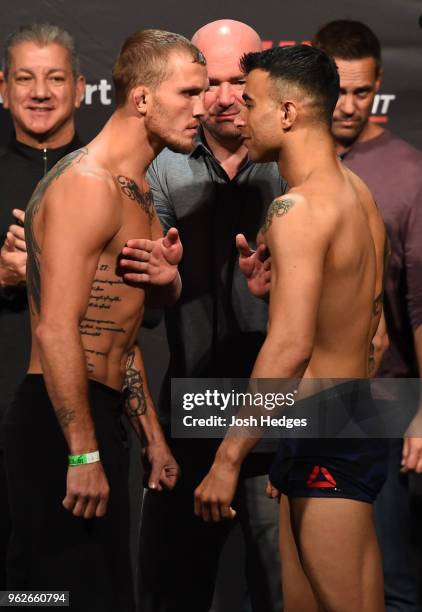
[[144, 58]]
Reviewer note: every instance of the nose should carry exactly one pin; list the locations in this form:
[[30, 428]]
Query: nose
[[239, 121], [347, 103], [225, 94], [40, 89], [198, 108]]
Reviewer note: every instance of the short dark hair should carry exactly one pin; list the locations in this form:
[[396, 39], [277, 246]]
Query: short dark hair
[[144, 58], [348, 40], [304, 66]]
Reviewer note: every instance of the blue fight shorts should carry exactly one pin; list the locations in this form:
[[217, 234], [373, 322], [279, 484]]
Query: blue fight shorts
[[327, 467]]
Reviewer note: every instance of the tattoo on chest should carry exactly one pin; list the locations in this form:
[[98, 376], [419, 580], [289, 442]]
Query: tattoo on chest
[[278, 208], [34, 251], [143, 198], [136, 403]]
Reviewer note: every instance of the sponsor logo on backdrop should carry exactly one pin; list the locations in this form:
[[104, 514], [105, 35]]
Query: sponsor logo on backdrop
[[382, 102]]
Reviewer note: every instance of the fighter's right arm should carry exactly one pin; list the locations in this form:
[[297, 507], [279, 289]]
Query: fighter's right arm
[[79, 218]]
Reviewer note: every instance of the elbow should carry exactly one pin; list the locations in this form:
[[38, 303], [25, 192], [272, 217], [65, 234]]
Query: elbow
[[49, 332], [381, 343], [295, 355]]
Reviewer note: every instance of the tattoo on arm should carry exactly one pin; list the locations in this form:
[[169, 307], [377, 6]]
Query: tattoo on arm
[[136, 403], [278, 208], [34, 251], [65, 417], [144, 199], [377, 303]]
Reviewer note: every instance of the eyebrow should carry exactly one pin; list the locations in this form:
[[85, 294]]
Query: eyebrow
[[246, 97], [362, 88], [238, 77], [31, 71]]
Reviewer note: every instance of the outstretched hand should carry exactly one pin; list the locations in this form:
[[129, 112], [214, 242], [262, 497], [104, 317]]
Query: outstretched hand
[[152, 261], [255, 266]]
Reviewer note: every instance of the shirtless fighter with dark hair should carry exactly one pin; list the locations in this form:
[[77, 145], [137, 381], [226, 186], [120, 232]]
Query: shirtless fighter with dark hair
[[66, 453], [327, 243]]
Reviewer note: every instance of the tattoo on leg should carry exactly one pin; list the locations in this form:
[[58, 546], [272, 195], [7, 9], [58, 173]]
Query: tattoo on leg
[[34, 251], [278, 208], [144, 199], [136, 403]]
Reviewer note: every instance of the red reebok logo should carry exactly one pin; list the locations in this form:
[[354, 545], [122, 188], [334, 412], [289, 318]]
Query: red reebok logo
[[326, 481]]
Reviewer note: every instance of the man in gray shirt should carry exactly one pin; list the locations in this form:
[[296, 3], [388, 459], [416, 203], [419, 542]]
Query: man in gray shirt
[[216, 329]]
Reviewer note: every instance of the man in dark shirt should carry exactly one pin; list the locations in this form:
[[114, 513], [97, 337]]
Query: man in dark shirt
[[392, 170], [41, 87]]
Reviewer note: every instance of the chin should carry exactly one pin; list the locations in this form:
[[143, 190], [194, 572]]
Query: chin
[[180, 146], [261, 156]]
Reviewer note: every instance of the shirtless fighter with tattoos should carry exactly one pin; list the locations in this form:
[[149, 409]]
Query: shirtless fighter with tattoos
[[66, 452], [327, 243]]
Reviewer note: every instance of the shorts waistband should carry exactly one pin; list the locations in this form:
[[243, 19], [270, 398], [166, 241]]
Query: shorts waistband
[[38, 379]]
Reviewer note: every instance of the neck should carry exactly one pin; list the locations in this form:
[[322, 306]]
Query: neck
[[230, 153], [58, 139], [370, 131], [126, 148], [308, 151]]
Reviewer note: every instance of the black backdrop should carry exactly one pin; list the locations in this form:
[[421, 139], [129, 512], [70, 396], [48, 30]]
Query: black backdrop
[[100, 27]]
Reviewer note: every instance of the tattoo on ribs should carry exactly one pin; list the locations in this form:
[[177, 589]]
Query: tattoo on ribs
[[144, 199], [95, 327], [34, 251], [136, 404], [278, 208]]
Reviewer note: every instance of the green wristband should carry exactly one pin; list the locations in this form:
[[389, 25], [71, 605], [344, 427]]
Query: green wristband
[[84, 458]]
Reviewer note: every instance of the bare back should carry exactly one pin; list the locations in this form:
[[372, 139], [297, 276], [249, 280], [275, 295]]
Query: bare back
[[329, 252], [83, 214]]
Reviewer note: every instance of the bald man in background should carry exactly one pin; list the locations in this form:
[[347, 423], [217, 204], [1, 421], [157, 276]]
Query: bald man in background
[[215, 330]]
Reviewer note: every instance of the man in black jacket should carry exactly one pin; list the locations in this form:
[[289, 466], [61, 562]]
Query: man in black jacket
[[41, 86]]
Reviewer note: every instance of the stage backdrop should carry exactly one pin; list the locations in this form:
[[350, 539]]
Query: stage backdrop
[[100, 27]]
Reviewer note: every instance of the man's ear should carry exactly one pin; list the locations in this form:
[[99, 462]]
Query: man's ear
[[379, 78], [80, 90], [288, 114], [141, 97], [3, 89]]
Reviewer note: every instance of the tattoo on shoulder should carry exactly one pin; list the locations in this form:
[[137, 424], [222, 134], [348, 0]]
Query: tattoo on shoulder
[[144, 199], [34, 251], [278, 208], [133, 388]]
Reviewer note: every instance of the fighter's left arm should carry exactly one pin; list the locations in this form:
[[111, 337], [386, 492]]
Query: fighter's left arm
[[298, 243], [153, 264], [161, 467]]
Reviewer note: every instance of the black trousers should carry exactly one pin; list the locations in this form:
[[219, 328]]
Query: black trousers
[[4, 521], [49, 547], [179, 553]]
